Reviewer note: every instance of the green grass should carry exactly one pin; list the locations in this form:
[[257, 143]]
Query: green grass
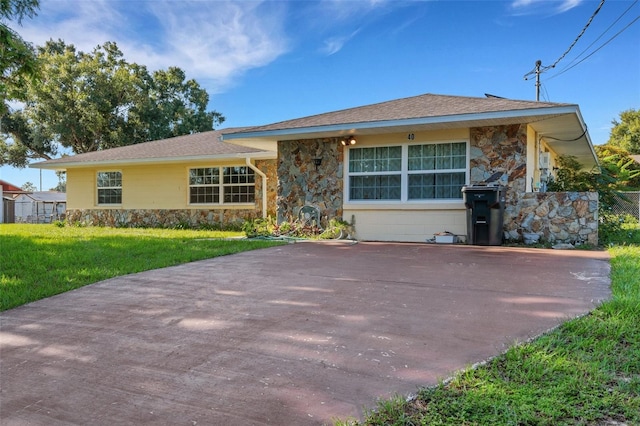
[[38, 261], [586, 372]]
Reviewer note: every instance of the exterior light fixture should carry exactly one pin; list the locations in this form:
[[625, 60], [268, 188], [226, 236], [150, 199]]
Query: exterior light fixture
[[317, 162], [349, 141]]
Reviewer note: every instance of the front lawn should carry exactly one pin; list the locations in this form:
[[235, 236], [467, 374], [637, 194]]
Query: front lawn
[[38, 261], [586, 372]]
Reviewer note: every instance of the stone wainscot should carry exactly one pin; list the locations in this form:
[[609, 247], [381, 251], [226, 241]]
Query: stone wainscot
[[566, 217]]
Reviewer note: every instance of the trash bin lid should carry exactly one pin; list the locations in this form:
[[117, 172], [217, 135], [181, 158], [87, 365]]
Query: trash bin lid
[[480, 187]]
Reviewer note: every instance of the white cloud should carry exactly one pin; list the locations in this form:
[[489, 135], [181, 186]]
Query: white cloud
[[340, 16], [212, 41], [538, 6], [85, 24], [334, 44], [221, 40]]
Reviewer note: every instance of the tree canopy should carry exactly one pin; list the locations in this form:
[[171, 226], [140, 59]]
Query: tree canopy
[[17, 57], [93, 101], [618, 164], [626, 132]]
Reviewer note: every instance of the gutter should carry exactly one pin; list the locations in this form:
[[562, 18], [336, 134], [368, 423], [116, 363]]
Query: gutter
[[264, 185]]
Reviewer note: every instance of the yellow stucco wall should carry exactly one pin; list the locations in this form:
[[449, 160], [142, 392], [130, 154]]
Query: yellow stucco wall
[[431, 136], [163, 186], [81, 188], [408, 224], [533, 174]]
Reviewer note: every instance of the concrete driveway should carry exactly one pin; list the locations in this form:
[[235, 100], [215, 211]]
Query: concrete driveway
[[293, 335]]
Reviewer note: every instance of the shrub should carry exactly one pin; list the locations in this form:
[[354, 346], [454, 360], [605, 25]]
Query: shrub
[[296, 229]]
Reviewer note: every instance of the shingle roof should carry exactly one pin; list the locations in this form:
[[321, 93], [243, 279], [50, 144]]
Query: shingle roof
[[422, 106], [205, 144], [47, 196]]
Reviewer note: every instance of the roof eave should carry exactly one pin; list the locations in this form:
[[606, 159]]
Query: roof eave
[[581, 147], [264, 155]]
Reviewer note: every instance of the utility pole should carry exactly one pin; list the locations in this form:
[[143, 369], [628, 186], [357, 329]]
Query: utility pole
[[538, 72]]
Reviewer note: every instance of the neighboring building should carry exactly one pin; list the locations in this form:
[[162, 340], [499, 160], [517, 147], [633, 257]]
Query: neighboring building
[[40, 207], [7, 192], [395, 168]]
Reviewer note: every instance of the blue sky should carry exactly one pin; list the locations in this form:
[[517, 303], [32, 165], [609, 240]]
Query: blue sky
[[268, 61]]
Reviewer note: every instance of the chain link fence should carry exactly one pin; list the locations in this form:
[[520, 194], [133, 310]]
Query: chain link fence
[[630, 206]]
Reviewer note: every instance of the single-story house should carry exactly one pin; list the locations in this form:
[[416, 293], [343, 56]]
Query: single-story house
[[394, 169], [40, 206]]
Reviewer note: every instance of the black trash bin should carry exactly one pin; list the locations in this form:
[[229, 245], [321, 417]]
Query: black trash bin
[[485, 213]]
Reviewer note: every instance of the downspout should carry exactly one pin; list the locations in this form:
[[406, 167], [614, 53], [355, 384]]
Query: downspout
[[264, 185]]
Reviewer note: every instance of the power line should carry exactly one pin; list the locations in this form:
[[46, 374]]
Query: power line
[[603, 33], [540, 69], [579, 35], [600, 47]]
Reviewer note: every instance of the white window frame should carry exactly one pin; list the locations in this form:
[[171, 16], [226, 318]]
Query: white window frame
[[405, 173], [223, 187], [115, 187]]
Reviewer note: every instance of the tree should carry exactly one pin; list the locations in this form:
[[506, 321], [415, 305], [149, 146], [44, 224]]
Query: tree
[[618, 163], [626, 132], [62, 182], [17, 57], [93, 101], [29, 187]]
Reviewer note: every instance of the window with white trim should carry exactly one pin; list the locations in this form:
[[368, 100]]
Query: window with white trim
[[109, 186], [375, 173], [221, 185], [433, 171], [436, 171]]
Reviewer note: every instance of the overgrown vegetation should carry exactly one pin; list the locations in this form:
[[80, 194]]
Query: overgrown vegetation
[[617, 174], [38, 261], [586, 372], [269, 227]]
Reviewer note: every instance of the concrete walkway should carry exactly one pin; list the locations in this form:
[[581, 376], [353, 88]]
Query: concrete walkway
[[293, 335]]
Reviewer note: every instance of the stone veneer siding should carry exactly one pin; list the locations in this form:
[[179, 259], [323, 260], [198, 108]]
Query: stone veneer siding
[[159, 218], [499, 153], [301, 183], [192, 217], [567, 217]]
